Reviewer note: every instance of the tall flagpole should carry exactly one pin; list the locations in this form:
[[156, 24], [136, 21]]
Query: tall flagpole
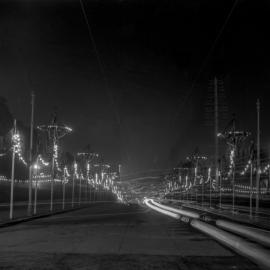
[[29, 210]]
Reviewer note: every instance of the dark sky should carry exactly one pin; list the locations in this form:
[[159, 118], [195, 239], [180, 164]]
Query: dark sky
[[136, 112]]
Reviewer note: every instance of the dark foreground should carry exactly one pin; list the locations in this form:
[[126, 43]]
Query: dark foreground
[[112, 236]]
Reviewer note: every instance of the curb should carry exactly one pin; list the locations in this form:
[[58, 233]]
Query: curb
[[26, 219]]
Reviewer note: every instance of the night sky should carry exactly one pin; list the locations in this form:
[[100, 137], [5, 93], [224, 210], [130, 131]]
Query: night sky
[[142, 111]]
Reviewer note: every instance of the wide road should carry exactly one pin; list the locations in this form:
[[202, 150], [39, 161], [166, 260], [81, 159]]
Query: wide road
[[112, 236]]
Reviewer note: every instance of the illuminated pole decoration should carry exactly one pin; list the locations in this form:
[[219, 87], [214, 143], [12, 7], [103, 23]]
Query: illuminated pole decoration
[[35, 167], [233, 138], [268, 184], [38, 164], [29, 210], [14, 149], [66, 175], [186, 186], [202, 191], [88, 178], [216, 130], [96, 183], [195, 159], [104, 170], [80, 188], [55, 132], [210, 187], [64, 190], [250, 190], [233, 176], [75, 175], [220, 183], [88, 157]]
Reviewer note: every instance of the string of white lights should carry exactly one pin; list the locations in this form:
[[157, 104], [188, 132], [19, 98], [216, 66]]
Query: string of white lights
[[17, 147]]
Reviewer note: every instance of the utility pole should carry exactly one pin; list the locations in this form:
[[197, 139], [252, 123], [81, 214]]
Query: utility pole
[[258, 158], [12, 173], [216, 131], [29, 210]]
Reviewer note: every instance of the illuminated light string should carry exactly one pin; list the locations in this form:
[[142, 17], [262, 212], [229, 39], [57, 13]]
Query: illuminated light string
[[246, 168], [231, 166], [261, 171], [42, 161], [17, 147], [172, 186], [208, 176], [76, 170], [266, 168], [66, 173], [107, 184], [87, 170], [55, 155]]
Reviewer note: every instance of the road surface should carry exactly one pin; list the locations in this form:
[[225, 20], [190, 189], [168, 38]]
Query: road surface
[[112, 236]]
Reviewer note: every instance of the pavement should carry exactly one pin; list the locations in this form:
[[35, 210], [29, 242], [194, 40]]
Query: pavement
[[112, 236]]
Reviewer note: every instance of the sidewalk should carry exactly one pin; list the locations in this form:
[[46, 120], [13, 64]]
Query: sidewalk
[[43, 210]]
